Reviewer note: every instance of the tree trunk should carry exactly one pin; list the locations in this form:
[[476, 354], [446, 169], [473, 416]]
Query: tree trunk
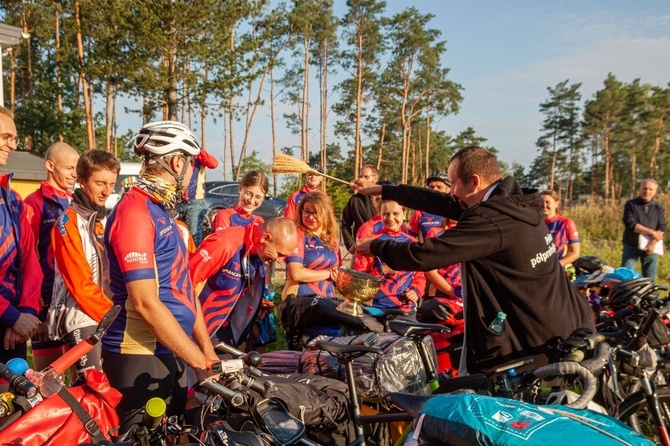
[[29, 56], [324, 110], [12, 79], [381, 146], [305, 105], [231, 117], [115, 142], [108, 115], [427, 142], [171, 107], [59, 85], [358, 149], [272, 126], [88, 108]]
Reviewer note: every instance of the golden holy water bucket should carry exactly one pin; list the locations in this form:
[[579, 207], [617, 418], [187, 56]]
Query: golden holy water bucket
[[356, 287]]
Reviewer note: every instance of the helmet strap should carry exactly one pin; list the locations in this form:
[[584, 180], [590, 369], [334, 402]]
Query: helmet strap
[[164, 161]]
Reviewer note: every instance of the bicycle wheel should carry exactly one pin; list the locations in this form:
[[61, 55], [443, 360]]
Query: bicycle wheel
[[635, 412]]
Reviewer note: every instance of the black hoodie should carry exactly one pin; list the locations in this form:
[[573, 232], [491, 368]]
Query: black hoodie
[[508, 262]]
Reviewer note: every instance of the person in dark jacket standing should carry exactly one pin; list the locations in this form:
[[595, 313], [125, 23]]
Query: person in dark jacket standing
[[508, 261], [358, 210], [644, 221]]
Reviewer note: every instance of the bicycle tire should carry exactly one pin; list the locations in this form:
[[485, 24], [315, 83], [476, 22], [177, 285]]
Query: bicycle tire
[[634, 411]]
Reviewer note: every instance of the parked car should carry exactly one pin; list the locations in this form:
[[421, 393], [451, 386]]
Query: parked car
[[224, 194]]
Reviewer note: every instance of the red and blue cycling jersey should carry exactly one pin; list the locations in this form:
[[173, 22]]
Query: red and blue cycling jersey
[[234, 216], [47, 204], [20, 275], [223, 269], [564, 232], [394, 283], [142, 241], [451, 273], [313, 254], [422, 222], [375, 225]]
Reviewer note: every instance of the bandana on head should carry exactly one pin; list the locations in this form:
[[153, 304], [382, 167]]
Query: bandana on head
[[162, 190]]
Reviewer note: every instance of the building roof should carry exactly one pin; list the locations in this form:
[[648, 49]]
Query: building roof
[[25, 166]]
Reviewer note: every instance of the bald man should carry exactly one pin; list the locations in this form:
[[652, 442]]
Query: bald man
[[227, 272], [46, 204]]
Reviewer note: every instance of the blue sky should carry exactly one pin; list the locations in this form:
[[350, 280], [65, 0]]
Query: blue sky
[[505, 54]]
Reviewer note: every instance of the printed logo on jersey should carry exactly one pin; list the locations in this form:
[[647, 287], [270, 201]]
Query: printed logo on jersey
[[234, 270], [165, 230], [161, 220], [61, 225], [205, 255], [136, 257]]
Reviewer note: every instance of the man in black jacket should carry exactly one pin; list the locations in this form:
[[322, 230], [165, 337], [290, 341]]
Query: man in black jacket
[[507, 256], [644, 228], [358, 210]]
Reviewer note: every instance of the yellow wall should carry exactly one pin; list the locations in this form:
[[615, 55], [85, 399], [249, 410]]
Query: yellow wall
[[24, 187]]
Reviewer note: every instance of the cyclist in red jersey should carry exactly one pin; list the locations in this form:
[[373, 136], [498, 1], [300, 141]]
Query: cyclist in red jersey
[[160, 329], [47, 203], [562, 229], [253, 187]]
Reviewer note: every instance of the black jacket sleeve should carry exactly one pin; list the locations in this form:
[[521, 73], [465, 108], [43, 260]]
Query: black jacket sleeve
[[470, 239], [423, 199]]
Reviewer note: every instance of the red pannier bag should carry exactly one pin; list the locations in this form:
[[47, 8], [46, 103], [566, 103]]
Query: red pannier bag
[[52, 422]]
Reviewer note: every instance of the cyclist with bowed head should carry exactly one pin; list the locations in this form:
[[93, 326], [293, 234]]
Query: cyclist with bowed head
[[563, 230], [312, 267], [253, 187], [521, 278], [160, 329]]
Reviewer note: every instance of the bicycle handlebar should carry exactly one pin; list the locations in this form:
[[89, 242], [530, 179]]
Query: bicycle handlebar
[[572, 368], [234, 398]]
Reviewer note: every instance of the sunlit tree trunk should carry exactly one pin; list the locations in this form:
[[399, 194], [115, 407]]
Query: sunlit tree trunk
[[88, 108]]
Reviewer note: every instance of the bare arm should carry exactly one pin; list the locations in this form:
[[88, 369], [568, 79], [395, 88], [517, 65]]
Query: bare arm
[[572, 254], [440, 283], [299, 273]]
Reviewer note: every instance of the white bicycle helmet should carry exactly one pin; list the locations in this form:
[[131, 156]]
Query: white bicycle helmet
[[164, 137]]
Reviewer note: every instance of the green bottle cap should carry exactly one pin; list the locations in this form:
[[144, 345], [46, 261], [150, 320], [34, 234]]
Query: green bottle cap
[[502, 316], [155, 407]]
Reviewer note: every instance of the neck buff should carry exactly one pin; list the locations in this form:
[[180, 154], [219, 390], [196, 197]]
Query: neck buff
[[81, 199], [162, 190]]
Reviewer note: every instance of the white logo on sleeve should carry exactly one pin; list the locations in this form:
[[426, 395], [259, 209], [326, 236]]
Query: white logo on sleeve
[[205, 255], [136, 257]]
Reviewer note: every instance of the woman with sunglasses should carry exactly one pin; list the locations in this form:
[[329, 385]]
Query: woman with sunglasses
[[253, 187]]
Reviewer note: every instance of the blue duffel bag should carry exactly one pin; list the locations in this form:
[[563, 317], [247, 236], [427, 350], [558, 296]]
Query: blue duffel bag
[[472, 419]]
